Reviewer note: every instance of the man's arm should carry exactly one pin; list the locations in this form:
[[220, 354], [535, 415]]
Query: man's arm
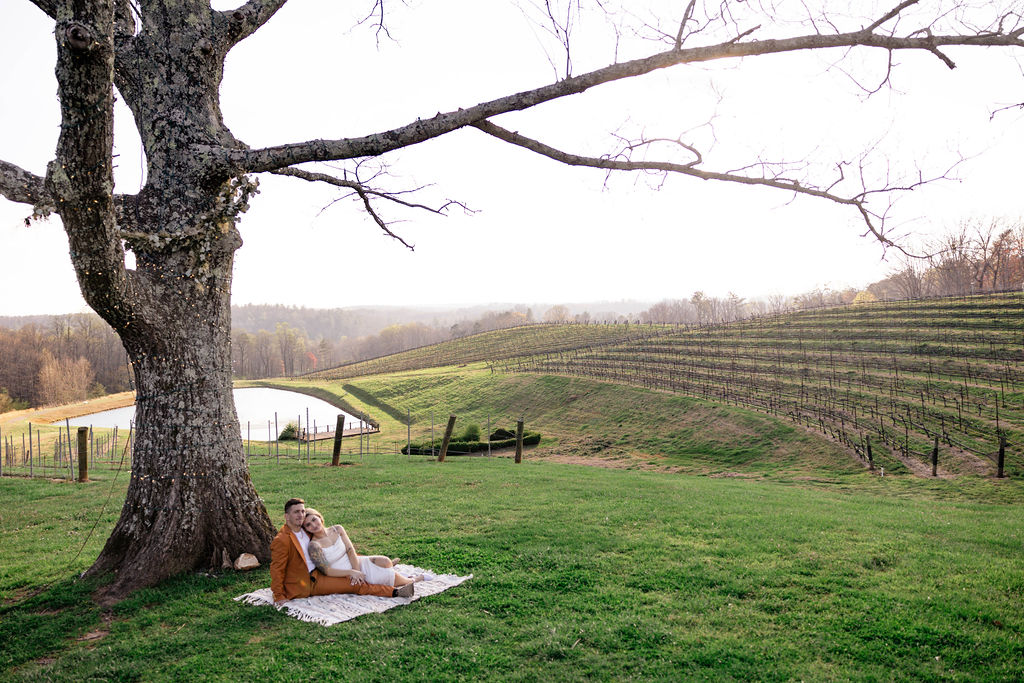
[[278, 564]]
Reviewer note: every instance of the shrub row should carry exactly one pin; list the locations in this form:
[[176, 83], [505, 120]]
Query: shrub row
[[460, 447]]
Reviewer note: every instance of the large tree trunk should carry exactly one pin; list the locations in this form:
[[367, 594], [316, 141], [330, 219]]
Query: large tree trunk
[[190, 499]]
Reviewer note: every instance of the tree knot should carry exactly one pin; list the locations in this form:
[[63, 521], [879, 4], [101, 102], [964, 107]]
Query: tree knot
[[79, 36]]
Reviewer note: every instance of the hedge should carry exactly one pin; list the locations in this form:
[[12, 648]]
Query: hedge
[[462, 447]]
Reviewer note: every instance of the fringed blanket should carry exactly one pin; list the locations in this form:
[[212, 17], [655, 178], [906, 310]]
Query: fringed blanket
[[332, 609]]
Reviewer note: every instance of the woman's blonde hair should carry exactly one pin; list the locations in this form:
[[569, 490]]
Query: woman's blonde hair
[[312, 512]]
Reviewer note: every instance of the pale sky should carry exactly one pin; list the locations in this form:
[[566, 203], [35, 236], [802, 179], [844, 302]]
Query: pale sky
[[542, 232]]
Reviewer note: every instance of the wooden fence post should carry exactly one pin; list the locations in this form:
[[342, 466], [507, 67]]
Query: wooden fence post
[[519, 441], [1002, 455], [338, 429], [935, 457], [447, 438], [83, 454]]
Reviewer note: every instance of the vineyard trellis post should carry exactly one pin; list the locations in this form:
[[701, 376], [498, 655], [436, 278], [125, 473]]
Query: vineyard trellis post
[[519, 440], [935, 457], [83, 454], [71, 467], [1002, 455], [338, 430], [447, 438]]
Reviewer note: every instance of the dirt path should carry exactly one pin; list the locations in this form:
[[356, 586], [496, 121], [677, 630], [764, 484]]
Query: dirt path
[[57, 413]]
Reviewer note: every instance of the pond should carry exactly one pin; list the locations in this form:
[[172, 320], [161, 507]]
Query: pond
[[256, 409]]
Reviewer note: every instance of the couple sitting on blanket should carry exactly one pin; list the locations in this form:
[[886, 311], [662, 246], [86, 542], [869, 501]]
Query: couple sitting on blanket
[[307, 558]]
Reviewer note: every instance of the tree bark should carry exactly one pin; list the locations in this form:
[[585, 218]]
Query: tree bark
[[190, 496]]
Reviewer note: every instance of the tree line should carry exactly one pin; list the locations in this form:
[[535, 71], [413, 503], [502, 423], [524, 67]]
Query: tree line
[[51, 360], [979, 255], [70, 358], [975, 257]]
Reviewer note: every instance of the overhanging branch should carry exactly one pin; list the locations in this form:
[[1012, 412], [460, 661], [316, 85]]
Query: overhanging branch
[[242, 22], [873, 221], [268, 159], [49, 7], [23, 187], [366, 194]]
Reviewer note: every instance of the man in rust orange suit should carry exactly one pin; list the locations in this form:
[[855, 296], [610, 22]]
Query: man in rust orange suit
[[293, 575]]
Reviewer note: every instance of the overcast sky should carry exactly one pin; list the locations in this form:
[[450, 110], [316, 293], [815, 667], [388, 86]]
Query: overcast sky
[[541, 232]]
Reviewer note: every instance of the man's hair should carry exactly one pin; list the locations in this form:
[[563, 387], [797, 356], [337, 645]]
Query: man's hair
[[293, 501]]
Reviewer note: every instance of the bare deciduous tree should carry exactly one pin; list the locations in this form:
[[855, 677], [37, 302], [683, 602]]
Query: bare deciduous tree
[[63, 380], [190, 498], [911, 278]]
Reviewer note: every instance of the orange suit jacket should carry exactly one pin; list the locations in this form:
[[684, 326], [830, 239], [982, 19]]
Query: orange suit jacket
[[289, 576]]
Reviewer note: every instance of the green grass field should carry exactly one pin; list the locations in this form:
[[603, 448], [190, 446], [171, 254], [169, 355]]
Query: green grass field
[[579, 573]]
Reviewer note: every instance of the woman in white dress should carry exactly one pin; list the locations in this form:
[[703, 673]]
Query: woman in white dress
[[334, 555]]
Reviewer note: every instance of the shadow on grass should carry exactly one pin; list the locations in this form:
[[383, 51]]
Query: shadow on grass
[[41, 623], [40, 628], [371, 400]]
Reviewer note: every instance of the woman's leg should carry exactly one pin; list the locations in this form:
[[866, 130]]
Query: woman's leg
[[388, 563], [402, 580]]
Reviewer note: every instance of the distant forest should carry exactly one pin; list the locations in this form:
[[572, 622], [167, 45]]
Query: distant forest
[[47, 360]]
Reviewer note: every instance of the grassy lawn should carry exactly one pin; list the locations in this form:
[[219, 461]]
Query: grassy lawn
[[579, 573]]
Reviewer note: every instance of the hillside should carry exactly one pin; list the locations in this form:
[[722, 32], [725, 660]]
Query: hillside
[[494, 346], [894, 375]]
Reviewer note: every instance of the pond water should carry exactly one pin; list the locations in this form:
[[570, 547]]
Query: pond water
[[256, 407]]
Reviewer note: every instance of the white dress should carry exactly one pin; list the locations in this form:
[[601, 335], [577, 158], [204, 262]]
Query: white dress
[[337, 558]]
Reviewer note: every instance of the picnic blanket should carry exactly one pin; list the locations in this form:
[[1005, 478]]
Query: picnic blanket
[[332, 609]]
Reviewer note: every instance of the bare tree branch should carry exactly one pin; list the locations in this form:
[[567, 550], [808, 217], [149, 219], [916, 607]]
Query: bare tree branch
[[23, 187], [366, 194], [687, 16], [80, 179], [894, 12], [49, 7], [992, 116], [125, 14], [376, 16], [240, 161], [18, 185], [242, 22], [873, 221]]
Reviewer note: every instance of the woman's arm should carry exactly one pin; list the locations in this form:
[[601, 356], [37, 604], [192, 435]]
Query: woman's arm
[[316, 553], [350, 549]]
